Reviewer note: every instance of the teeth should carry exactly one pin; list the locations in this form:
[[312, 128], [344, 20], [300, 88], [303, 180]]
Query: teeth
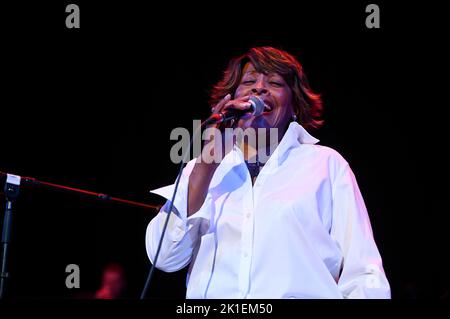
[[267, 107]]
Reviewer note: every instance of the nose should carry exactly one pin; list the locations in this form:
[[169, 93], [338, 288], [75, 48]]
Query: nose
[[260, 87]]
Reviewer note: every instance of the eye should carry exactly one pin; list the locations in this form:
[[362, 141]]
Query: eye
[[247, 82], [276, 83]]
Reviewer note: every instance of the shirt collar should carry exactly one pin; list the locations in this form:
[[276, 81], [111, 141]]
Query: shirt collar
[[294, 136], [298, 132]]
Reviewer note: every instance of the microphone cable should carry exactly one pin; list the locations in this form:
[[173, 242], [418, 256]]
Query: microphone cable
[[152, 268]]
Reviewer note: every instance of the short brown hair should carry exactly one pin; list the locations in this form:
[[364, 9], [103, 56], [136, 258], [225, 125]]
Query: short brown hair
[[307, 104]]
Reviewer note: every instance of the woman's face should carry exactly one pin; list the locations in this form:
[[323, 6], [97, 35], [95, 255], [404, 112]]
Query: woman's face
[[275, 93]]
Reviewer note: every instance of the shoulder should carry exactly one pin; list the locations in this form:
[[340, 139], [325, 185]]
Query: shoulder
[[320, 159], [321, 152]]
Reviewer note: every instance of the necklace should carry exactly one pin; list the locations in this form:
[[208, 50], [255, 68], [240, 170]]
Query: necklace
[[254, 168]]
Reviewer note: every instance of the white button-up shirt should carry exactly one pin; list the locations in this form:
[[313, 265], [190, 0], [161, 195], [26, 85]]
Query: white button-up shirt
[[301, 231]]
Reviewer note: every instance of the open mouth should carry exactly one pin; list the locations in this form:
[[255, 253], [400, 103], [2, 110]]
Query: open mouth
[[267, 108]]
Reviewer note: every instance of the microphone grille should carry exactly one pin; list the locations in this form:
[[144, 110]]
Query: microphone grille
[[258, 105]]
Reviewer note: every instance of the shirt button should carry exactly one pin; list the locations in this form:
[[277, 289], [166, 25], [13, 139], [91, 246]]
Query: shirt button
[[245, 255], [248, 215]]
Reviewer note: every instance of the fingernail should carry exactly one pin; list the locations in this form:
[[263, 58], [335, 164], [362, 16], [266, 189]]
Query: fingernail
[[227, 96]]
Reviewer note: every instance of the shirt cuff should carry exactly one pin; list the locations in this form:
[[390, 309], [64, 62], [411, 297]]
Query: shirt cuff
[[183, 222]]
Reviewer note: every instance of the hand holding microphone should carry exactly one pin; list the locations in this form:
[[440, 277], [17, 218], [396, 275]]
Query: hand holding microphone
[[227, 110]]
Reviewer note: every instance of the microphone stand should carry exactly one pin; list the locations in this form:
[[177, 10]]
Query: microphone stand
[[12, 186], [11, 191]]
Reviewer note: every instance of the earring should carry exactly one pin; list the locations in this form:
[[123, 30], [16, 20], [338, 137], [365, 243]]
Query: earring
[[294, 118]]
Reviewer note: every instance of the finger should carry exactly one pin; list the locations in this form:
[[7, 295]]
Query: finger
[[238, 105], [218, 107], [243, 98]]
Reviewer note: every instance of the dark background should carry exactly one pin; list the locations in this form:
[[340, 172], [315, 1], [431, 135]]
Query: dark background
[[94, 107]]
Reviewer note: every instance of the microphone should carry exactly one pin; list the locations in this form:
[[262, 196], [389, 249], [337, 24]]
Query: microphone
[[256, 108]]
